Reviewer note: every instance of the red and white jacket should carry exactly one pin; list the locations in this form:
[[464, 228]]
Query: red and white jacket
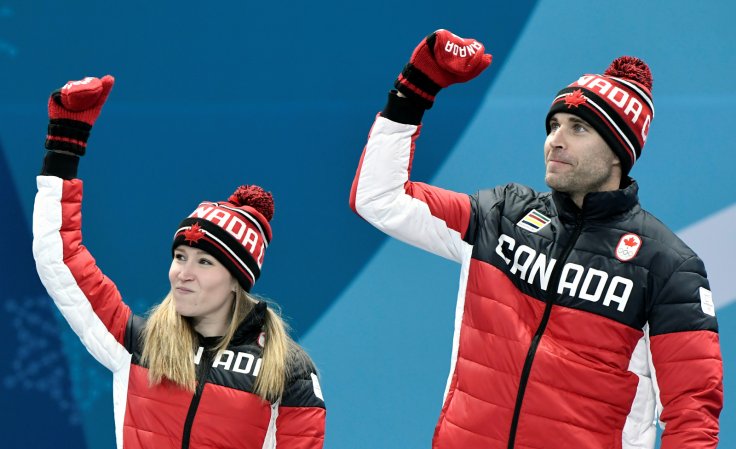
[[223, 412], [574, 328]]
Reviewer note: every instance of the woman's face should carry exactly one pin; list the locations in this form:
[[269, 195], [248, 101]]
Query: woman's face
[[203, 289]]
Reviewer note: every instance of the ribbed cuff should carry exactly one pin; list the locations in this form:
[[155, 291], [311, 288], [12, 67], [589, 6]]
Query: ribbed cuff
[[60, 165], [68, 135], [402, 110]]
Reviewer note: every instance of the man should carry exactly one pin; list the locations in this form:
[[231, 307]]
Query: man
[[582, 317]]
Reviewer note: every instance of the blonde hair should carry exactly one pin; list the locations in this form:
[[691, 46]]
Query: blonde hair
[[169, 342]]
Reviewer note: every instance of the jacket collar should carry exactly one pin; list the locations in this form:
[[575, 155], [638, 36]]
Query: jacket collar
[[248, 330], [252, 325], [598, 205]]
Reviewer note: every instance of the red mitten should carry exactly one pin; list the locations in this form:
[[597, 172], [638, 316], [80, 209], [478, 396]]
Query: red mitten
[[73, 110], [439, 60]]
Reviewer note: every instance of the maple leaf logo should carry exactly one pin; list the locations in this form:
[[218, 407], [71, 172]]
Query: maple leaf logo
[[193, 234], [575, 99], [628, 246]]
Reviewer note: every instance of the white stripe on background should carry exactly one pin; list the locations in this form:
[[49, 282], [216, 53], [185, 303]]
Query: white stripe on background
[[714, 240]]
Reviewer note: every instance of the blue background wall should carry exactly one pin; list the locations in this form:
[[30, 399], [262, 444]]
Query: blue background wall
[[283, 95]]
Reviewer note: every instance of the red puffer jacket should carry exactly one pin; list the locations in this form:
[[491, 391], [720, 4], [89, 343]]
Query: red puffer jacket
[[574, 328], [223, 412]]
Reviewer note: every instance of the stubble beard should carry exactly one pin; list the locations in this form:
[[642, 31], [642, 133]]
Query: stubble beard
[[573, 183]]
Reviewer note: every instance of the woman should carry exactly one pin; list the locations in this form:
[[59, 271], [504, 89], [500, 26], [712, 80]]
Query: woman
[[211, 366]]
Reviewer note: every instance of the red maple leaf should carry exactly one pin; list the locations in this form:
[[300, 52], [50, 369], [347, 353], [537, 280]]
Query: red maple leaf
[[631, 241], [575, 99], [193, 234]]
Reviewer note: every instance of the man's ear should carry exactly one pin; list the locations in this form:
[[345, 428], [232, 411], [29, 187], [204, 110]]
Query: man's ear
[[616, 160]]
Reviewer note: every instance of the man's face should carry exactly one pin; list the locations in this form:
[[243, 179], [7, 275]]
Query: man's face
[[577, 159]]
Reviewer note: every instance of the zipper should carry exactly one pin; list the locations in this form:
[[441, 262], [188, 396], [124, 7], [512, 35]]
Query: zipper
[[205, 365], [554, 280]]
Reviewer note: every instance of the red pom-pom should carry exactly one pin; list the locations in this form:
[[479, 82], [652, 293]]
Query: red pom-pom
[[255, 197], [631, 68]]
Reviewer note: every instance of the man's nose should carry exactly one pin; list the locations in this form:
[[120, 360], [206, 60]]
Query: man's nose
[[556, 138]]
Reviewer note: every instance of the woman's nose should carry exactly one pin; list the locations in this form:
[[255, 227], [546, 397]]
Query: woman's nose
[[185, 272]]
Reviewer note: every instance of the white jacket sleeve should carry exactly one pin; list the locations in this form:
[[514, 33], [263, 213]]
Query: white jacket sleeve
[[425, 216]]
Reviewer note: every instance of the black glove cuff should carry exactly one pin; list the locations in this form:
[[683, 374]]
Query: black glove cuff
[[68, 135], [418, 81], [61, 165], [402, 110]]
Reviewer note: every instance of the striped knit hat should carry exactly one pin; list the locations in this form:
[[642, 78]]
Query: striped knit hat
[[236, 232], [618, 104]]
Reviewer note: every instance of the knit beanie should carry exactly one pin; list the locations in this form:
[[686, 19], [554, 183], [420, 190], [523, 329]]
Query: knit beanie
[[618, 104], [236, 232]]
